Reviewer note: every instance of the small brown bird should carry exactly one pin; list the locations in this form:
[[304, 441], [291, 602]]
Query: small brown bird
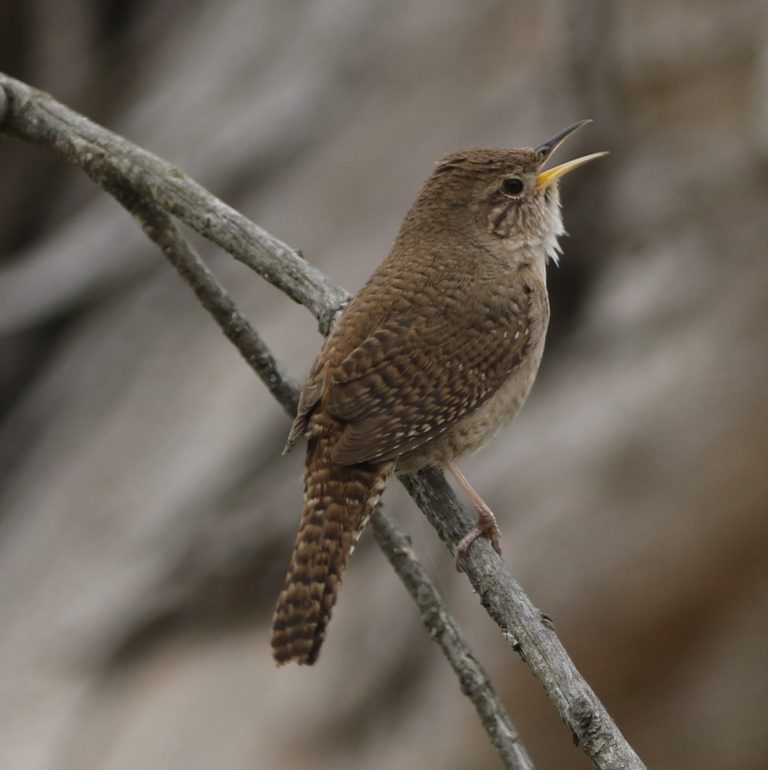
[[436, 352]]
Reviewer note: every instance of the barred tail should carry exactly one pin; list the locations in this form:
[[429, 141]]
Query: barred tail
[[338, 500]]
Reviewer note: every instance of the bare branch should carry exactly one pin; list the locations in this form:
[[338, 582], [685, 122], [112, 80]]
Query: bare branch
[[473, 680], [119, 166], [528, 631], [160, 228]]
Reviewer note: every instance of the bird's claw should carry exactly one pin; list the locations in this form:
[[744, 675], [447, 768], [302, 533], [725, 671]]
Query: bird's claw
[[486, 527]]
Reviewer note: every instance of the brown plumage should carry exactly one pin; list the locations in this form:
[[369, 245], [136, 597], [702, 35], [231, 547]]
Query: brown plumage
[[436, 351], [338, 500]]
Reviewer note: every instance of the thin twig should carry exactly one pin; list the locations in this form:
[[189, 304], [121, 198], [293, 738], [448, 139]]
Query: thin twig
[[160, 228], [111, 160], [472, 678], [473, 681]]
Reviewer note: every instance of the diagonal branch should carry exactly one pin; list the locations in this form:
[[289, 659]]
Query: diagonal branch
[[118, 165], [472, 679], [160, 228], [528, 631]]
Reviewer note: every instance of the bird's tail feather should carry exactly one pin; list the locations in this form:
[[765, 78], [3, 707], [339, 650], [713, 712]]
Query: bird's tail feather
[[338, 500]]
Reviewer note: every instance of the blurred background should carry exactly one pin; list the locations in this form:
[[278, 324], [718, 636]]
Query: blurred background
[[146, 516]]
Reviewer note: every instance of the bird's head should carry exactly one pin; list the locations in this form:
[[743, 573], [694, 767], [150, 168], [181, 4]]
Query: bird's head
[[508, 194]]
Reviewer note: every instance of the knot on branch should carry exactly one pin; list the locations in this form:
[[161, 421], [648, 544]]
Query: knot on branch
[[587, 723], [328, 318]]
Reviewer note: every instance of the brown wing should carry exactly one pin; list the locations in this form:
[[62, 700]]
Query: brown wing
[[417, 374], [308, 398]]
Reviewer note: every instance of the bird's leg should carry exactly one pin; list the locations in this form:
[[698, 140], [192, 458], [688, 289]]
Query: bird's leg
[[486, 525]]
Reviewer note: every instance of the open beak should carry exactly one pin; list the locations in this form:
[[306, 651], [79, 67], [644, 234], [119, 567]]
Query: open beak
[[551, 175]]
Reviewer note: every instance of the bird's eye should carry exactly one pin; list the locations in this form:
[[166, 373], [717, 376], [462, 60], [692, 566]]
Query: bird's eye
[[512, 186]]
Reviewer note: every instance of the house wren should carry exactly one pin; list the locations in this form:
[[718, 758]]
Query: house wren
[[434, 354]]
